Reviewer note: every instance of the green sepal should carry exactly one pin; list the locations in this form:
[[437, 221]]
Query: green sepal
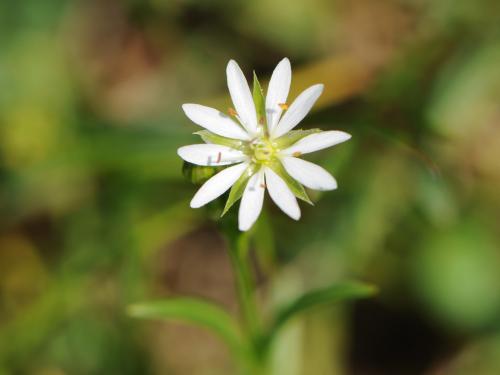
[[238, 188], [258, 99], [292, 137], [296, 188], [209, 137]]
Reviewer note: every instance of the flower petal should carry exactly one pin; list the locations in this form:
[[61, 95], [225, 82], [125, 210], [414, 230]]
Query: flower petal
[[277, 92], [309, 174], [318, 141], [214, 121], [210, 154], [241, 96], [281, 194], [298, 110], [217, 185], [251, 202]]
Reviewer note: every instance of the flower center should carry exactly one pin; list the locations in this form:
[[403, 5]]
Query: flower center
[[263, 150]]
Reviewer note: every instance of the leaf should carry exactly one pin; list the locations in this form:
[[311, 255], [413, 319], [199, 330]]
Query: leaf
[[258, 99], [296, 188], [238, 188], [320, 297], [196, 311], [293, 136], [209, 137]]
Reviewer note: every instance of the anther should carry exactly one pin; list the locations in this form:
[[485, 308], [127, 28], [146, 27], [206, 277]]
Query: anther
[[297, 154], [283, 106], [219, 157], [263, 186], [232, 112]]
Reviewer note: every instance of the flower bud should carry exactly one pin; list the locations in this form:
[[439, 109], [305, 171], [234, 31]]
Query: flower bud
[[197, 174]]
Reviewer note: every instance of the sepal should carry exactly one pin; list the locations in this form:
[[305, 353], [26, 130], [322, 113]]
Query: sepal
[[258, 99], [238, 188], [209, 137], [292, 137], [296, 188]]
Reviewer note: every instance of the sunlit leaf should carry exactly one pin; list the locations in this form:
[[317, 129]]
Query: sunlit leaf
[[353, 71]]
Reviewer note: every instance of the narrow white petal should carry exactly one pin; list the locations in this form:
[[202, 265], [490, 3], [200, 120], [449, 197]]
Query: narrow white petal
[[281, 194], [217, 185], [241, 96], [309, 174], [277, 92], [251, 201], [210, 154], [214, 121], [318, 141], [298, 110]]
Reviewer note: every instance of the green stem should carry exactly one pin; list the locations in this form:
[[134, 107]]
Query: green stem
[[245, 287]]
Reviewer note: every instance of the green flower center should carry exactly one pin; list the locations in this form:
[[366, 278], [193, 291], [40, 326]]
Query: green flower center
[[263, 150]]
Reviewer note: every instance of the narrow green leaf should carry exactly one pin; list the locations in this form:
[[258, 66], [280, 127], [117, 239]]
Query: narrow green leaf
[[209, 137], [296, 188], [238, 188], [196, 311], [293, 136], [258, 99], [320, 297]]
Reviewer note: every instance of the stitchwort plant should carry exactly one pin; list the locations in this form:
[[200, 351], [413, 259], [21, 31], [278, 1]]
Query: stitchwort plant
[[258, 149]]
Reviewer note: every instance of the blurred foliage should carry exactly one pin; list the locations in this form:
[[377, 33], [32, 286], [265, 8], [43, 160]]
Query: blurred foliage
[[94, 207]]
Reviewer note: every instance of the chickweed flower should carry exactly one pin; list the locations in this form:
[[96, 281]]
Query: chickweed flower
[[257, 140]]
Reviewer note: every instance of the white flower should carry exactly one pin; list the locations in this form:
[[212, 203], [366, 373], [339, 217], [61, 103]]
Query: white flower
[[259, 140]]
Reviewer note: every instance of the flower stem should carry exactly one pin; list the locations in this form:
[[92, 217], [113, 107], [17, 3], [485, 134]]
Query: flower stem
[[244, 283], [245, 287]]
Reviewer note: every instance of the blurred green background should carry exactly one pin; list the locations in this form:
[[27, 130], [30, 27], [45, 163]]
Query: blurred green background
[[94, 211]]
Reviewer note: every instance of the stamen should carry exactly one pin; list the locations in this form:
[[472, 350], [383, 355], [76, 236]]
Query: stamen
[[232, 112], [297, 154], [283, 106], [263, 186], [219, 157]]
